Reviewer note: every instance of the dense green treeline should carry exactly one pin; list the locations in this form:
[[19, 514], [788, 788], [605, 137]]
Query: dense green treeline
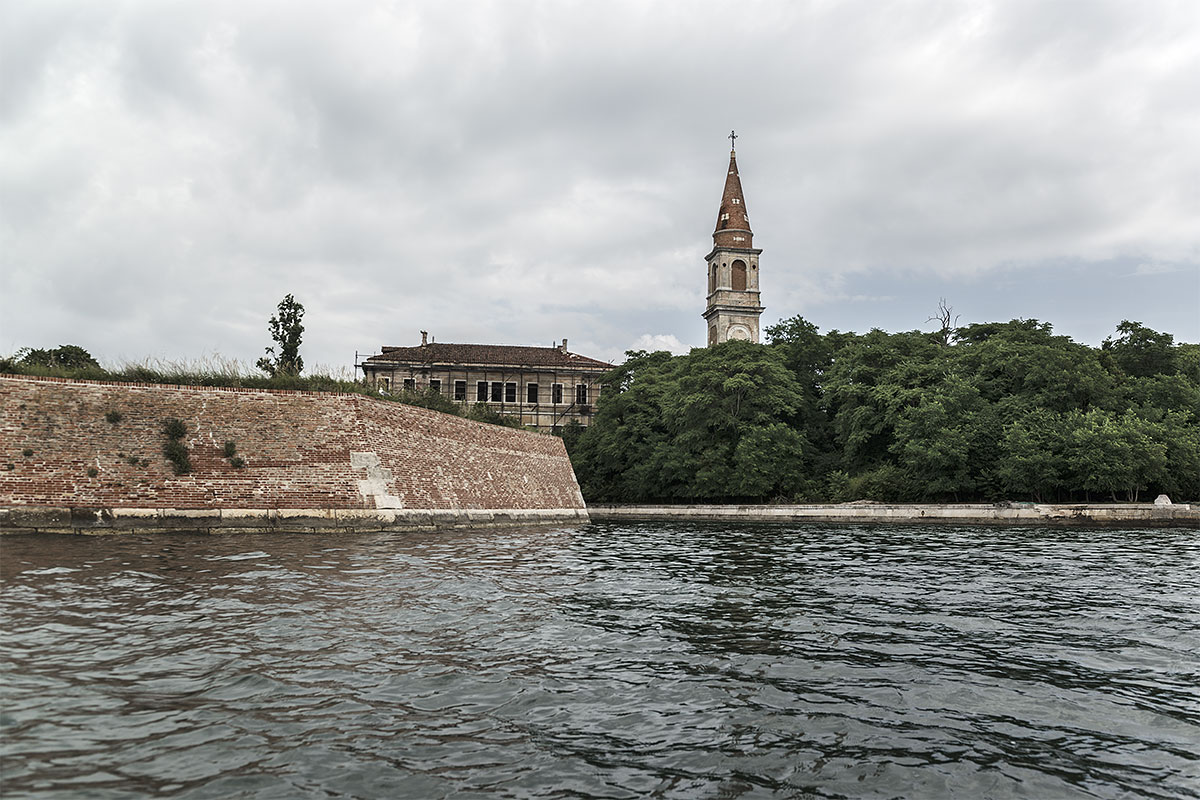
[[983, 412]]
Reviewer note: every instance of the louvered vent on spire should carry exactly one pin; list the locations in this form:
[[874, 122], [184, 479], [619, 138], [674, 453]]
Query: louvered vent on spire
[[733, 224]]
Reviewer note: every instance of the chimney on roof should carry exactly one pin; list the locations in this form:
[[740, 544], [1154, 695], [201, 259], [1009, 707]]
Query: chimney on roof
[[563, 347], [424, 338]]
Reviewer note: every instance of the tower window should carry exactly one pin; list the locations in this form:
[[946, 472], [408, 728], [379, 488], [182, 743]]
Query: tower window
[[739, 276], [736, 201]]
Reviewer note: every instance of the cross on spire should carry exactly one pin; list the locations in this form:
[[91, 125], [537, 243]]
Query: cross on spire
[[732, 140]]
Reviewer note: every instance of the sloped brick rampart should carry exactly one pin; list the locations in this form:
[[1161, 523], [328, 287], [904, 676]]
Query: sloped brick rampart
[[302, 450]]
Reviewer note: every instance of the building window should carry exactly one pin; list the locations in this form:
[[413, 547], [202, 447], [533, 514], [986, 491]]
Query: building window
[[739, 276], [410, 385], [460, 390], [581, 393], [510, 393], [481, 392], [556, 393], [531, 393], [737, 201], [435, 385], [497, 392], [385, 383]]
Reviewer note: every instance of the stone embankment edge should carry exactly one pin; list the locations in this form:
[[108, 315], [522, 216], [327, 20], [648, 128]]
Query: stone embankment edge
[[1094, 515], [40, 519]]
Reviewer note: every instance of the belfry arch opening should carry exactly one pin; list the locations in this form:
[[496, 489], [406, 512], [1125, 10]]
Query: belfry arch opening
[[739, 276]]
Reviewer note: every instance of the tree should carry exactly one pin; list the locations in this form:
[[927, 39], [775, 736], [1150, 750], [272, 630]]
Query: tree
[[947, 321], [1032, 459], [1140, 351], [285, 329], [67, 356]]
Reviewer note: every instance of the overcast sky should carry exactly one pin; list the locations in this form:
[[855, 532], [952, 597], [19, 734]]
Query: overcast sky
[[521, 172]]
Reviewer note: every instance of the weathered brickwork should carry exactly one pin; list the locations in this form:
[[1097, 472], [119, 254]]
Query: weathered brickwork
[[301, 450]]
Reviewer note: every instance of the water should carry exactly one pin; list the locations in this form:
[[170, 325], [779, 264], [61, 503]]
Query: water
[[675, 661]]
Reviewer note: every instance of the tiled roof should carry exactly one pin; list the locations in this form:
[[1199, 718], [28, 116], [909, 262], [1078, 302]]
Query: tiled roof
[[489, 354]]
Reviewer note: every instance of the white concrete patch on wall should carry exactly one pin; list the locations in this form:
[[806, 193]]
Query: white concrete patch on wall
[[379, 484]]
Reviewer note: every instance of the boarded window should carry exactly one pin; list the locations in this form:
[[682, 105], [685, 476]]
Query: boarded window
[[531, 393], [581, 394], [481, 392], [556, 393], [739, 276], [460, 390], [497, 392], [510, 393]]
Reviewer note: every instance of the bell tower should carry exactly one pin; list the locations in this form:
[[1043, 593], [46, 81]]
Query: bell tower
[[733, 304]]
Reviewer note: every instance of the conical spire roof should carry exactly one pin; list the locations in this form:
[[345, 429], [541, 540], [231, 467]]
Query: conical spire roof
[[733, 224]]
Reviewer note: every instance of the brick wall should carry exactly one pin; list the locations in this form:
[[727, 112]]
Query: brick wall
[[301, 450]]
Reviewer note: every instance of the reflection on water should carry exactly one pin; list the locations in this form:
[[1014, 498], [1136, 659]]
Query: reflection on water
[[604, 661]]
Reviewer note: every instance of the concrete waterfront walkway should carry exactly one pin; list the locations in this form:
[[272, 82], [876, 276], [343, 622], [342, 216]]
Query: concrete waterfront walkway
[[1081, 514]]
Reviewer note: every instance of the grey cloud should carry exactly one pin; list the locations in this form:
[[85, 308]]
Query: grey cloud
[[531, 171]]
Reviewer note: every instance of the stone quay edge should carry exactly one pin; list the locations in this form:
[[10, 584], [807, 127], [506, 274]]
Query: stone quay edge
[[42, 519], [1082, 514]]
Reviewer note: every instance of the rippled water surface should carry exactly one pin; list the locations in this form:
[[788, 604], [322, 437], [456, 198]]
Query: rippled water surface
[[680, 661]]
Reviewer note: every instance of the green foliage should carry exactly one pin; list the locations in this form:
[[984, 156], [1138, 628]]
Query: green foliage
[[480, 412], [67, 357], [114, 417], [220, 372], [286, 330], [229, 450], [982, 412], [27, 452], [716, 423], [176, 452], [237, 462], [92, 472], [1141, 352], [175, 428], [430, 398]]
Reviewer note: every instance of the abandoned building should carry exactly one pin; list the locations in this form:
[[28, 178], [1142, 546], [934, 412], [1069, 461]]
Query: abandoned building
[[733, 301], [545, 387]]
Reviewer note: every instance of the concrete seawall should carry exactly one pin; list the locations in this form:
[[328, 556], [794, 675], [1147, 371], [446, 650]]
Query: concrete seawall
[[259, 520], [89, 456], [1098, 514]]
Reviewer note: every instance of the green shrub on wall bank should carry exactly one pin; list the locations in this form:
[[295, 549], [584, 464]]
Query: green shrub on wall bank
[[219, 373]]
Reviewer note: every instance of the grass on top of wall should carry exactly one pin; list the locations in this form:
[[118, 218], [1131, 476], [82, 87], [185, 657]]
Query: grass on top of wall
[[223, 372]]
